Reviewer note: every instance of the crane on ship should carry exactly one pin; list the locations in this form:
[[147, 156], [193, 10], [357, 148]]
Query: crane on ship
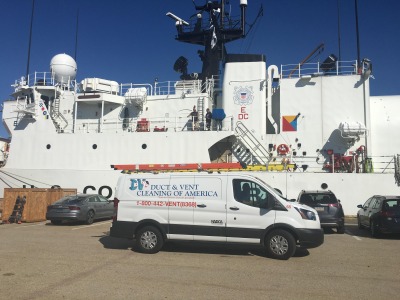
[[318, 49]]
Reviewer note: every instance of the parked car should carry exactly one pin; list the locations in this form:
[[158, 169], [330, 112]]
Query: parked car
[[329, 208], [81, 207], [381, 214]]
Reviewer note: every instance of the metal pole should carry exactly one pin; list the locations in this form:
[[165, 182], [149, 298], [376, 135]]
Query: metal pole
[[30, 41], [340, 56], [358, 37]]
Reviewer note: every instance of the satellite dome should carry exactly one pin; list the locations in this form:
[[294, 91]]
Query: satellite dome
[[63, 67]]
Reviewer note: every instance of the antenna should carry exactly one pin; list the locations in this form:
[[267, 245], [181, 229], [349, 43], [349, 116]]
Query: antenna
[[76, 33], [30, 41], [178, 20], [338, 11], [358, 37]]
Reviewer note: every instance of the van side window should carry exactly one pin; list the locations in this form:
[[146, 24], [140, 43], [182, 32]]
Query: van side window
[[250, 193]]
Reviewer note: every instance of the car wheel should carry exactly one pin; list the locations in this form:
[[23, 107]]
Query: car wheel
[[280, 244], [90, 217], [55, 222], [374, 229], [340, 229], [149, 240]]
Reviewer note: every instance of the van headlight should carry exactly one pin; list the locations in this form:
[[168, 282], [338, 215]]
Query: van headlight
[[306, 214]]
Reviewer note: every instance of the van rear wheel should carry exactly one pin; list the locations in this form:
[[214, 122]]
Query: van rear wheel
[[149, 240], [280, 244]]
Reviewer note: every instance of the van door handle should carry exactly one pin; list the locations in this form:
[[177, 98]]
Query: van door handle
[[234, 208], [201, 205]]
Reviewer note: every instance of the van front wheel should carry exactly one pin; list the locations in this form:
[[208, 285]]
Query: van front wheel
[[280, 244], [149, 240]]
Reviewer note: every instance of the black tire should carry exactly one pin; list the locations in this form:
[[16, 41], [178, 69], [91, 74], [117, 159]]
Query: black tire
[[55, 222], [360, 226], [89, 217], [374, 229], [149, 240], [340, 229], [280, 244]]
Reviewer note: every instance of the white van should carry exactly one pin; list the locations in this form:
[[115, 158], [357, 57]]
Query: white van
[[227, 208]]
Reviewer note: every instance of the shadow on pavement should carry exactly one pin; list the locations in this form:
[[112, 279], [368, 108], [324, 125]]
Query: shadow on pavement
[[196, 247], [115, 243]]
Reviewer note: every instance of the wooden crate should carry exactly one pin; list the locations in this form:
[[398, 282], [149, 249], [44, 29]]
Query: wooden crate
[[37, 201]]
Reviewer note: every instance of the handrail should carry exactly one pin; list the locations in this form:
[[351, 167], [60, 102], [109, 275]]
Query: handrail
[[314, 69], [251, 141]]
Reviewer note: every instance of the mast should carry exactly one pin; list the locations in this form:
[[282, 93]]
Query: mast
[[30, 41], [76, 33], [212, 34], [358, 37]]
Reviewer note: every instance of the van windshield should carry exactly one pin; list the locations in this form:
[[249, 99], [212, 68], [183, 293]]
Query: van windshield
[[272, 190]]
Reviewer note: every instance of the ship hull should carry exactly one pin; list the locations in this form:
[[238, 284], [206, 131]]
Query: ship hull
[[351, 188]]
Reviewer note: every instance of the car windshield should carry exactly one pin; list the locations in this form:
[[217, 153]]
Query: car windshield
[[71, 200], [314, 198]]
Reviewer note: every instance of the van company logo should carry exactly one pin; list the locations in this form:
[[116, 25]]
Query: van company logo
[[243, 95], [138, 184]]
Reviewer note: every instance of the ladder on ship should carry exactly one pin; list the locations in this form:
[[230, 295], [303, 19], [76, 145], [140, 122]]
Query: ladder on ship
[[57, 117], [200, 109], [248, 149]]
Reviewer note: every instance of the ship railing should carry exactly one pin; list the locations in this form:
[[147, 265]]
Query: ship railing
[[211, 84], [165, 87], [43, 79], [396, 159], [308, 70], [177, 87], [383, 164], [160, 124], [373, 164]]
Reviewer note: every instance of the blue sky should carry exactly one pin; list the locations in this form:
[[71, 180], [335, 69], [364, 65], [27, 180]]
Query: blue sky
[[133, 41]]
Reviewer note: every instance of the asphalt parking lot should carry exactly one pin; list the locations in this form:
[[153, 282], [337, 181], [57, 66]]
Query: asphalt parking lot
[[74, 261]]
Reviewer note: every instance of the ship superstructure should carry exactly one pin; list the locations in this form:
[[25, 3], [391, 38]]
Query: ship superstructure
[[301, 126]]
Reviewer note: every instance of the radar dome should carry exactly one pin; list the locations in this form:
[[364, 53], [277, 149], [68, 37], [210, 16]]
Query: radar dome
[[63, 67]]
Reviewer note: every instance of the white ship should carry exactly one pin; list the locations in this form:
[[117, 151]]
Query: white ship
[[298, 126]]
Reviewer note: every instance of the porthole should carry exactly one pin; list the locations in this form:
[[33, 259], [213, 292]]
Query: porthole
[[94, 146], [144, 146], [48, 146], [324, 186]]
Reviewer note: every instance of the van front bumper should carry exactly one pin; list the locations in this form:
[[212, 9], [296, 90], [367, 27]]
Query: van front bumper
[[310, 238]]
